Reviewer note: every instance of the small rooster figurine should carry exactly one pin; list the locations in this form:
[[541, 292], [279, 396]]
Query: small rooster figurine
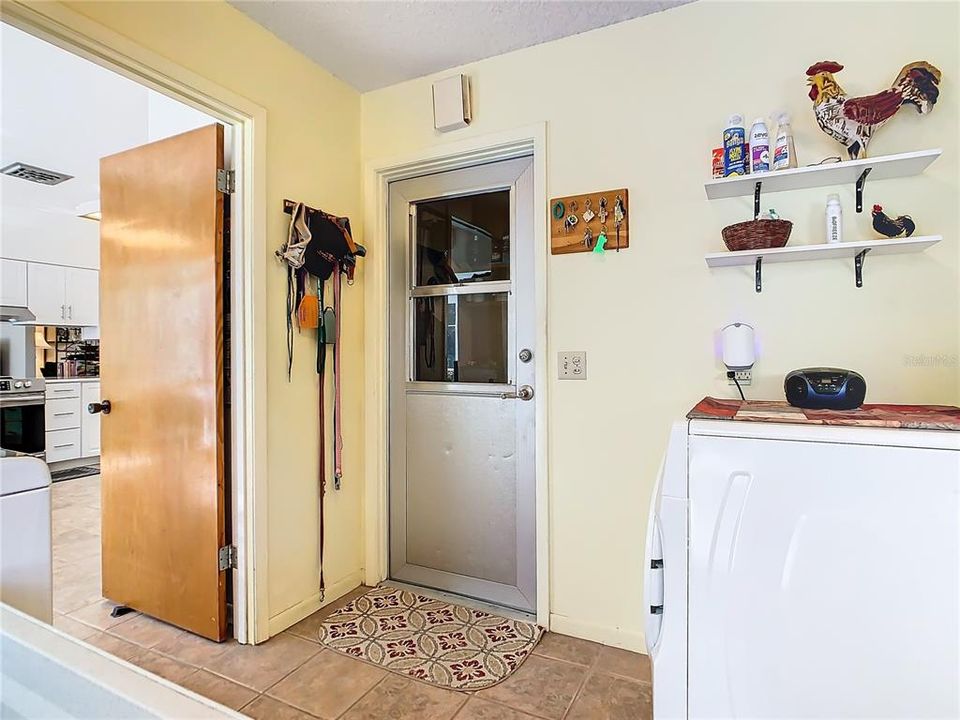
[[852, 121], [902, 226]]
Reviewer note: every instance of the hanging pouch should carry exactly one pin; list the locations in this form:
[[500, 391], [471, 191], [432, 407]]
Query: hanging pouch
[[328, 332]]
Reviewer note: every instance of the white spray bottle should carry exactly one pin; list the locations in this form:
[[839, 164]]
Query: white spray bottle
[[784, 153]]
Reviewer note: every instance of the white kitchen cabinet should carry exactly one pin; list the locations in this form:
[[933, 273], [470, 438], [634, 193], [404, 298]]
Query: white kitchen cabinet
[[89, 424], [46, 293], [63, 445], [83, 296], [13, 283], [60, 295]]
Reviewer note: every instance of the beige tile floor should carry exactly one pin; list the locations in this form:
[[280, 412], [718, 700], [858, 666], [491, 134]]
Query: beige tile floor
[[292, 677]]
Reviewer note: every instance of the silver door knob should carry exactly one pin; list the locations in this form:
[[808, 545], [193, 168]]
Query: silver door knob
[[525, 355], [525, 392]]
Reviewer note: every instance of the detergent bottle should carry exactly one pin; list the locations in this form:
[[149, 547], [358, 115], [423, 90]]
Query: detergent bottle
[[759, 147], [735, 160]]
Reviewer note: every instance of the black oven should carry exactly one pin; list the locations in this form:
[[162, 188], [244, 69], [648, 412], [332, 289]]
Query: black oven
[[22, 424]]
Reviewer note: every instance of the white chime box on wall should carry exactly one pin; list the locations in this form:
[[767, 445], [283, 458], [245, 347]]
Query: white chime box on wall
[[451, 103]]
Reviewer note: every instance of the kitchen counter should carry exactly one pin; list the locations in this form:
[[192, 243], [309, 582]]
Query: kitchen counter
[[54, 381]]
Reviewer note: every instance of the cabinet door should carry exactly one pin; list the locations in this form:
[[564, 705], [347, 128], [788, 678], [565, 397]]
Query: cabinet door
[[45, 293], [82, 296], [89, 424], [13, 283], [823, 580]]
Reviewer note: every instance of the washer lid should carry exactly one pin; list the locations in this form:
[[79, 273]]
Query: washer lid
[[18, 474]]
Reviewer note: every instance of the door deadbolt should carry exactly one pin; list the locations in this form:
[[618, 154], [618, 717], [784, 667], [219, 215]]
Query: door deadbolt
[[525, 355]]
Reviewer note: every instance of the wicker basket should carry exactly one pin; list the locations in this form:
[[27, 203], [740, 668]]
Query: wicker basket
[[757, 234]]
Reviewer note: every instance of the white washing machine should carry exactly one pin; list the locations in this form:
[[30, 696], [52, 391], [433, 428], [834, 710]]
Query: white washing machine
[[26, 563], [805, 572]]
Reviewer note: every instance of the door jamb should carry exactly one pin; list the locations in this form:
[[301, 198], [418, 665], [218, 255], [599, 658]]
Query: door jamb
[[378, 174], [81, 36]]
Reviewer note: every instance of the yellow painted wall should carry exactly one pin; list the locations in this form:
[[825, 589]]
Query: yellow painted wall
[[313, 152], [641, 104]]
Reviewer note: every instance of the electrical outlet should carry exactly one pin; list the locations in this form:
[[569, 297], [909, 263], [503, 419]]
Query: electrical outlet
[[572, 365], [742, 376]]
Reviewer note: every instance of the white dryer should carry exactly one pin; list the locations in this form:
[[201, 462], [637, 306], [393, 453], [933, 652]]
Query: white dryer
[[26, 572], [805, 572]]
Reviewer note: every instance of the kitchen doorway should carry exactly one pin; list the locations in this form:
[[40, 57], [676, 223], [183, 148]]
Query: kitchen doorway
[[244, 431], [462, 418]]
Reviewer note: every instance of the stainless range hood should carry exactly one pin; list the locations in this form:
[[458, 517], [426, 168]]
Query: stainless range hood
[[15, 314]]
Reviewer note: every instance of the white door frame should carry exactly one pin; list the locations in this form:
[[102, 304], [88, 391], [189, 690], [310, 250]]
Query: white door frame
[[81, 36], [377, 176]]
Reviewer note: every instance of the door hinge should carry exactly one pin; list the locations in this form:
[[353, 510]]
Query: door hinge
[[226, 181], [227, 557]]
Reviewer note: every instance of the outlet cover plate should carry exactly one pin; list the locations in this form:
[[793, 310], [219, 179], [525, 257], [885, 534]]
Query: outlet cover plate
[[572, 365], [744, 377]]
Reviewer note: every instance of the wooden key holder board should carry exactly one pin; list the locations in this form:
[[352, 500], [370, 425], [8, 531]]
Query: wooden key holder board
[[565, 239]]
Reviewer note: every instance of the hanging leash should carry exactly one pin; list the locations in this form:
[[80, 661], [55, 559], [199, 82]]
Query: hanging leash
[[337, 419]]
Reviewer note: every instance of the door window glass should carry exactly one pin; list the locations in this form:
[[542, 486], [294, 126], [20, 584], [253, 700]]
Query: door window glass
[[461, 338], [463, 240]]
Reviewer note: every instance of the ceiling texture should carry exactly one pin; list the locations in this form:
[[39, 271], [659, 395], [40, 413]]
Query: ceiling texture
[[377, 43]]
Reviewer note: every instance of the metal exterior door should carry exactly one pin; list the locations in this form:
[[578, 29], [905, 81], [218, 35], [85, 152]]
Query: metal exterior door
[[462, 396], [161, 324]]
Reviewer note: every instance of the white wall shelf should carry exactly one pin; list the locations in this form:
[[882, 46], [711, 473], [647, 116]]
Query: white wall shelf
[[852, 171], [822, 251]]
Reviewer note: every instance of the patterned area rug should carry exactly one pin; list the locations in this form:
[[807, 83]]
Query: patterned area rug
[[448, 645]]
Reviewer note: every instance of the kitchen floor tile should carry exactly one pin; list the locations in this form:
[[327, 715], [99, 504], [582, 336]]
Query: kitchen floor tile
[[266, 708], [635, 666], [398, 698], [260, 666], [327, 684], [144, 630], [72, 627], [479, 709], [541, 686], [606, 697], [193, 649], [116, 646], [219, 689], [166, 667], [98, 615], [309, 627], [564, 647]]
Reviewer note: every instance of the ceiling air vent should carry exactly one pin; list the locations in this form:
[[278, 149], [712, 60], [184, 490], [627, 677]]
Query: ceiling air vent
[[35, 174]]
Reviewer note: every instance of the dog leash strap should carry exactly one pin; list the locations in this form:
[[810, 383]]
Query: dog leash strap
[[337, 421]]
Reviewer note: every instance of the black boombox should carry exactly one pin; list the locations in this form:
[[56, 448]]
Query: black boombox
[[825, 389]]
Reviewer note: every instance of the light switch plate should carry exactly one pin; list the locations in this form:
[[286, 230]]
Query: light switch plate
[[572, 365]]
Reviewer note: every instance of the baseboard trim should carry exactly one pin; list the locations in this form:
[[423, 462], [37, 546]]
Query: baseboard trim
[[292, 615], [617, 637]]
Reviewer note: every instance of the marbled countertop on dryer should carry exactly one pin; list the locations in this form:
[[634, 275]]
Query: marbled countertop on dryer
[[914, 417]]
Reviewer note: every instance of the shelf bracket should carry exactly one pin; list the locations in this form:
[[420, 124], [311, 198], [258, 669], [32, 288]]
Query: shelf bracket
[[756, 202], [757, 271], [861, 181], [858, 265]]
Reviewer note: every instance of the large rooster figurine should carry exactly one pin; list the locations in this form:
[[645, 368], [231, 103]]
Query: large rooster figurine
[[852, 121]]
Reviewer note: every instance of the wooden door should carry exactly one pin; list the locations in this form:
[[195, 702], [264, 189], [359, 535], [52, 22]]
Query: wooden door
[[161, 339]]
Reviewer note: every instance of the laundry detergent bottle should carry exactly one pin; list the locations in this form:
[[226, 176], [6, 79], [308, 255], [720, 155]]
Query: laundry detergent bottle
[[759, 147], [735, 161], [784, 153]]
